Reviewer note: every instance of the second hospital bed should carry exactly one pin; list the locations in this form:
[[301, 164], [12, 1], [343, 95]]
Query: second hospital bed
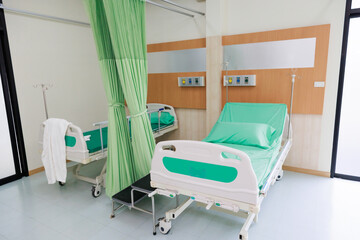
[[231, 169], [83, 148]]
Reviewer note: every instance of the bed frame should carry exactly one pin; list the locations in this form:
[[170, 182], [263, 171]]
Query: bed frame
[[241, 197], [158, 107], [79, 154]]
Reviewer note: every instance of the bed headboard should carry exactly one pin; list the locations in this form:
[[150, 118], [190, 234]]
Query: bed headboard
[[269, 113]]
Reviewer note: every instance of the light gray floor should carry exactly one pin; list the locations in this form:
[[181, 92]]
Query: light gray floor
[[298, 207]]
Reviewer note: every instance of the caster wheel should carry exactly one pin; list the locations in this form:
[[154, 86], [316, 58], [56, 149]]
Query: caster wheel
[[96, 191], [154, 233], [164, 226], [61, 183], [112, 215], [280, 176]]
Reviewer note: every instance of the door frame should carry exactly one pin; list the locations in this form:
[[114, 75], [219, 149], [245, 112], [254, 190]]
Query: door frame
[[349, 13], [11, 105]]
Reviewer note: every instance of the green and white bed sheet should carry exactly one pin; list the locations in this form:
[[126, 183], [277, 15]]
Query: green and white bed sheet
[[232, 130]]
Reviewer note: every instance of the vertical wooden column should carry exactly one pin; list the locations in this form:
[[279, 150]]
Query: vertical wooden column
[[214, 55], [214, 59]]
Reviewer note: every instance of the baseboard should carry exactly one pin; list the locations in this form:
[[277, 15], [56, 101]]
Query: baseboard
[[307, 171], [36, 170]]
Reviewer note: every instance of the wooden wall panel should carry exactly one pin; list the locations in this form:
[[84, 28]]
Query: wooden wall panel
[[274, 85], [163, 88], [191, 126]]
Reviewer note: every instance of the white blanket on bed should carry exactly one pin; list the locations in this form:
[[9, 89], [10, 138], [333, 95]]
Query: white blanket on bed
[[54, 150]]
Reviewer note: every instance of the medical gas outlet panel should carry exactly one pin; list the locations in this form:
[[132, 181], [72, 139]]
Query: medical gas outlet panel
[[191, 81], [240, 80]]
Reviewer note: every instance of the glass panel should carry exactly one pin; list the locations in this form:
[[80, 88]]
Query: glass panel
[[355, 4], [7, 167], [294, 53], [348, 159]]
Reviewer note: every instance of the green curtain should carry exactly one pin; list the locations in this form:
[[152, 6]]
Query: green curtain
[[119, 172], [126, 21]]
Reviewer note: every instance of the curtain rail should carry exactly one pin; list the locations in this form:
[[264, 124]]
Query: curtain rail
[[65, 20], [168, 8], [180, 6]]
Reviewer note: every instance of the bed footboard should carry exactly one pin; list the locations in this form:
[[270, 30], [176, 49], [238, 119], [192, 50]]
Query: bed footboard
[[204, 168]]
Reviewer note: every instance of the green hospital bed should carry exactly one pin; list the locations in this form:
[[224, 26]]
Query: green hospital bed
[[232, 168]]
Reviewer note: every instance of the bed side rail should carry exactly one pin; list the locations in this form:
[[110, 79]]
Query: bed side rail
[[165, 107], [76, 152], [243, 187]]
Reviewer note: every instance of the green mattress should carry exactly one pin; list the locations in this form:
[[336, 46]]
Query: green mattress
[[94, 144], [166, 119], [254, 128]]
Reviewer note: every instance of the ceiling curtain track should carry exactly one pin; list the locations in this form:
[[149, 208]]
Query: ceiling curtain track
[[70, 21], [119, 172], [126, 21]]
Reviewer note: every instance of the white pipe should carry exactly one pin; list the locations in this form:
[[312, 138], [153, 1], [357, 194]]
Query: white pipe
[[293, 76], [177, 5], [167, 8], [65, 20]]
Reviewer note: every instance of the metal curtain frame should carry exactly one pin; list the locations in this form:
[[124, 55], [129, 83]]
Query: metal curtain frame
[[168, 8], [180, 6], [70, 21], [349, 13], [58, 19], [12, 107]]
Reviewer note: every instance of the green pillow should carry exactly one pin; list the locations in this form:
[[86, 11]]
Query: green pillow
[[165, 118], [249, 134]]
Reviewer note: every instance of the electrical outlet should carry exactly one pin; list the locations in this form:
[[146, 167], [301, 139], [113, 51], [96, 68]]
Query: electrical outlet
[[191, 81], [240, 80], [319, 84]]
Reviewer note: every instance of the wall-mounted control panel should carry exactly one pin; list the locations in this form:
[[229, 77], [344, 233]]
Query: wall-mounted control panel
[[240, 80], [191, 82]]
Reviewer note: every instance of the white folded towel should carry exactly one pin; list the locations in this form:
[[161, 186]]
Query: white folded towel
[[54, 150]]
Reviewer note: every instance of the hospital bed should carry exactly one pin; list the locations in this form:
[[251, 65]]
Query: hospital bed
[[83, 148], [232, 169]]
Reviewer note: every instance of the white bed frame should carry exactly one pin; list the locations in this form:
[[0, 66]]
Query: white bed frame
[[155, 107], [240, 197], [79, 154]]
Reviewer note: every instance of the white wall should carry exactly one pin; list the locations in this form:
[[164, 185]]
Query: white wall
[[63, 54], [166, 26], [243, 16]]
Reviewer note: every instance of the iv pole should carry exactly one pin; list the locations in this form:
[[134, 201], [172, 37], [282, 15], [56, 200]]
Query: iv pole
[[293, 76], [226, 80], [44, 88]]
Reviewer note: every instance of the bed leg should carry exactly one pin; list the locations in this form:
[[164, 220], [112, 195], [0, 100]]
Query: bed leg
[[177, 201], [165, 223], [280, 175], [153, 215], [243, 235], [256, 218], [113, 210]]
